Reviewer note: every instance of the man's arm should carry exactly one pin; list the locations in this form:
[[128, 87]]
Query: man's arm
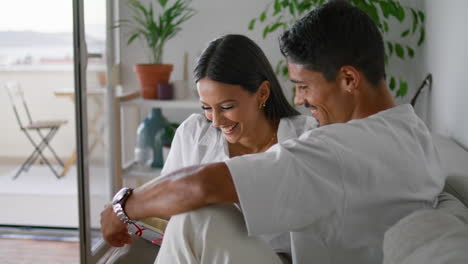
[[181, 191], [184, 190]]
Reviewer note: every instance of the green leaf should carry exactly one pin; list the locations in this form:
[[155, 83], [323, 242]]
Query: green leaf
[[278, 67], [306, 6], [410, 51], [163, 3], [292, 10], [386, 28], [263, 16], [403, 90], [421, 16], [405, 33], [415, 20], [386, 8], [400, 12], [266, 30], [285, 71], [132, 38], [390, 48], [422, 36], [399, 51], [296, 6], [252, 24], [277, 7], [370, 10], [392, 84], [275, 26]]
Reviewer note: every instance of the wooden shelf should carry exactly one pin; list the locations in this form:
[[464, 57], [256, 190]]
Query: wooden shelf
[[167, 104], [132, 169]]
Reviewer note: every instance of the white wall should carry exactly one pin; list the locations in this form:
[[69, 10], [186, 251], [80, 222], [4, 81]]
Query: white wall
[[447, 59], [214, 19]]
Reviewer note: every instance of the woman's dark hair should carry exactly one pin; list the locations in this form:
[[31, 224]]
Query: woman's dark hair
[[237, 60], [335, 35]]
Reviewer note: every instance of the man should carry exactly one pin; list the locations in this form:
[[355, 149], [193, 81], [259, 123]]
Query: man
[[336, 189]]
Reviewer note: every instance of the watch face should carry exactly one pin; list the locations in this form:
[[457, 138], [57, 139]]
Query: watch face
[[120, 195]]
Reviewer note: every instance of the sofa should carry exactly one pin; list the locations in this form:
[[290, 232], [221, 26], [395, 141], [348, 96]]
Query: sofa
[[439, 235]]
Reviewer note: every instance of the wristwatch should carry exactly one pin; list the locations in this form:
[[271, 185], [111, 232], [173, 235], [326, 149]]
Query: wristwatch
[[118, 204]]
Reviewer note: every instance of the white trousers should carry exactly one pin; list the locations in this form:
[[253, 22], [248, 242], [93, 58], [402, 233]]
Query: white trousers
[[214, 234]]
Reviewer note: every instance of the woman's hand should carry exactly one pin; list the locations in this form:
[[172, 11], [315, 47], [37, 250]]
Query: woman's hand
[[114, 231]]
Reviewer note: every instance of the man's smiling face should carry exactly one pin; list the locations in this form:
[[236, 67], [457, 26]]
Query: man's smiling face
[[327, 100]]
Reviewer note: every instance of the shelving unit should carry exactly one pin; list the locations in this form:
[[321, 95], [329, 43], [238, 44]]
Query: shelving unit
[[167, 104], [132, 169], [135, 175], [130, 173]]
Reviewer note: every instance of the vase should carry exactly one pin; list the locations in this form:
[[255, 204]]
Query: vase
[[158, 161], [146, 132]]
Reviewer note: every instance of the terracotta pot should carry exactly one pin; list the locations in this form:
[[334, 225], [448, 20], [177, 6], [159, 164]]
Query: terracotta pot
[[149, 75]]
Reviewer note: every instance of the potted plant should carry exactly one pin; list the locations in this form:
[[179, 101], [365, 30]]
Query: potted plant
[[155, 26]]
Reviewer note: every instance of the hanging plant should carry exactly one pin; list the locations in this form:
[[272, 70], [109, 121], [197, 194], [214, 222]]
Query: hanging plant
[[281, 14]]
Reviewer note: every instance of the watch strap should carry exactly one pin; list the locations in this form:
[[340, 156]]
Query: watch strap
[[119, 203]]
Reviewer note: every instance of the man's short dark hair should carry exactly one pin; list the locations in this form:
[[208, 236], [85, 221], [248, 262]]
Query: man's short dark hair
[[334, 35]]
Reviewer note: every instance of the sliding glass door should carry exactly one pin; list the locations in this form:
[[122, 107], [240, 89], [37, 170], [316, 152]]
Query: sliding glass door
[[93, 93]]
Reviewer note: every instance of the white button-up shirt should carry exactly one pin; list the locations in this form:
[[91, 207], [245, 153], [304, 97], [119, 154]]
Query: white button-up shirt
[[339, 187]]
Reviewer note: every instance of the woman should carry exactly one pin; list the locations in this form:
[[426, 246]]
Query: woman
[[245, 112]]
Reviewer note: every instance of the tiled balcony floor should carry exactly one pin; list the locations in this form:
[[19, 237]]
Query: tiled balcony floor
[[38, 198]]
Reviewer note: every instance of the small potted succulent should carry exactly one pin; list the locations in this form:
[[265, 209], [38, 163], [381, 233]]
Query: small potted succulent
[[155, 25]]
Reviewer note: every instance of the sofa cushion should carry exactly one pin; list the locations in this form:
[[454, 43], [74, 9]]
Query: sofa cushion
[[430, 236], [458, 187], [454, 161], [450, 205]]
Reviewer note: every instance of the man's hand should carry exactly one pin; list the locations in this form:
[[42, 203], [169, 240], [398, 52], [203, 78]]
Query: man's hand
[[114, 231]]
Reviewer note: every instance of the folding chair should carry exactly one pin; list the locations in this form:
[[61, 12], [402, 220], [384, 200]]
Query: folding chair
[[45, 129]]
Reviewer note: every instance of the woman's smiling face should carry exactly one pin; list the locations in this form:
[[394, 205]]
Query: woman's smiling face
[[230, 108]]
